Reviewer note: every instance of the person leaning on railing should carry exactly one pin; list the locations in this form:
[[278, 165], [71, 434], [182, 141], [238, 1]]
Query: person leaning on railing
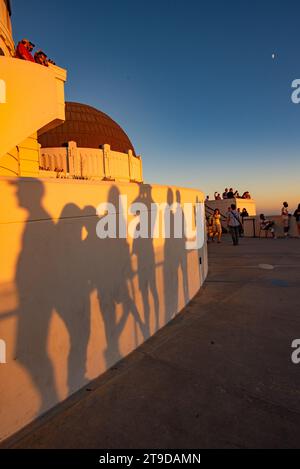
[[24, 49], [244, 213], [41, 58], [24, 52]]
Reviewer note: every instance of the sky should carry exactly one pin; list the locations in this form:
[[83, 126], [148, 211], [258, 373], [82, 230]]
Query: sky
[[192, 82]]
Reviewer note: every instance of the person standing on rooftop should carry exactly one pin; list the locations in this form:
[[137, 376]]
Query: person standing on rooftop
[[224, 195], [246, 195], [230, 194]]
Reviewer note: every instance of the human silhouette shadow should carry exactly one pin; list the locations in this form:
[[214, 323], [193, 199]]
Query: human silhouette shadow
[[111, 275], [182, 253], [72, 295], [36, 284], [57, 270], [200, 253], [175, 258], [144, 250]]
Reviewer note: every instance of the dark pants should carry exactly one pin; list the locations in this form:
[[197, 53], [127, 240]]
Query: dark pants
[[234, 230]]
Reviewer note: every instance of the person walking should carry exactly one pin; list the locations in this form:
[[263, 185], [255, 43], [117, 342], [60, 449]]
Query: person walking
[[234, 223]]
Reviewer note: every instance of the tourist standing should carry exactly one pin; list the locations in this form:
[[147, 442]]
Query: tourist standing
[[234, 223], [217, 226], [297, 216], [285, 217], [224, 195], [230, 194], [244, 213], [241, 228]]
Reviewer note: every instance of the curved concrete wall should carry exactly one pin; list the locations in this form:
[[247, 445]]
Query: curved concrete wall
[[71, 304]]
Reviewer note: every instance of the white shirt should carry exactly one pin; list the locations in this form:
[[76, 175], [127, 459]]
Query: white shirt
[[234, 218]]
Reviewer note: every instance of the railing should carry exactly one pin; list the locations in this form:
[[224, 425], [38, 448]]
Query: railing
[[89, 163]]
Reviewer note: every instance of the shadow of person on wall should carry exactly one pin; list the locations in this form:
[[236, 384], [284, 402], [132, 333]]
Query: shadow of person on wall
[[144, 250], [72, 295], [175, 258], [111, 275], [182, 252], [36, 284], [57, 270], [201, 251]]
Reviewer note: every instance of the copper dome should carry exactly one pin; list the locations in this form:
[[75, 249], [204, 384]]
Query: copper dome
[[89, 128]]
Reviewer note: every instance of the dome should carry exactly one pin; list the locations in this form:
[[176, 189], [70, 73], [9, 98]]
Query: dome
[[89, 128]]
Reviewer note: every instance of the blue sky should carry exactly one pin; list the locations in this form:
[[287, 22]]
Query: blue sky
[[192, 82]]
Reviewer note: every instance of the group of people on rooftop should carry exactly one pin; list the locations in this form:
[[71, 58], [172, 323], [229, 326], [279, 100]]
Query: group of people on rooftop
[[231, 194], [24, 51]]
